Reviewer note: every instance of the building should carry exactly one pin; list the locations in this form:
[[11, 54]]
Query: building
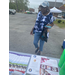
[[58, 5], [31, 9], [55, 4], [62, 7], [63, 10]]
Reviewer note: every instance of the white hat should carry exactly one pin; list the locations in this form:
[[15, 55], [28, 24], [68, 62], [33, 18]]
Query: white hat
[[45, 4]]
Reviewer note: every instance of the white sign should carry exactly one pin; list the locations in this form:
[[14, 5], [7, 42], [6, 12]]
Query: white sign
[[40, 65]]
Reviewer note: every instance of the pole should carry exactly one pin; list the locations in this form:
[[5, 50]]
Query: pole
[[17, 5], [55, 4]]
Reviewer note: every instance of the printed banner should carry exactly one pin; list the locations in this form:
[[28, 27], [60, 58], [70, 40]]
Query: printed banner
[[18, 63], [40, 65]]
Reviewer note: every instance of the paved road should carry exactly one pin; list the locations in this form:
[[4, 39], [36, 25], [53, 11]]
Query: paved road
[[20, 39]]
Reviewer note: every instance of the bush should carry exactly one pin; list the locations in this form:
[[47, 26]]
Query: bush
[[63, 22], [59, 21]]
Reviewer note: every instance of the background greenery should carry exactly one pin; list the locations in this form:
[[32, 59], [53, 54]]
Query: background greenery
[[19, 5], [60, 23]]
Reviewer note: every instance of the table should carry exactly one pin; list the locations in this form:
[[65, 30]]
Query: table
[[28, 60]]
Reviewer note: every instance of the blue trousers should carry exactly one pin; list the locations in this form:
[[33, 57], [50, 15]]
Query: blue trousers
[[36, 40]]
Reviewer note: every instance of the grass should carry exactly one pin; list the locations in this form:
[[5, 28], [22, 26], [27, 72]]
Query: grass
[[60, 23]]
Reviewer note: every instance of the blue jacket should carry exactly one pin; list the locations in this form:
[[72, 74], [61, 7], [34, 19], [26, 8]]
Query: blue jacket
[[42, 20]]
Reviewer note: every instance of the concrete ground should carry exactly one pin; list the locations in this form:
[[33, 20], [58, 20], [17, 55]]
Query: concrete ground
[[20, 39]]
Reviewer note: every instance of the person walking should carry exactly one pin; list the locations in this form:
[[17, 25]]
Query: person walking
[[44, 17]]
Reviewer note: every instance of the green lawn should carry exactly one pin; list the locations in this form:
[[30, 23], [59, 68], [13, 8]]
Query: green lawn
[[60, 23]]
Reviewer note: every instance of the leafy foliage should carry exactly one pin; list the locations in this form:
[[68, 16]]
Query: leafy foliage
[[60, 23], [19, 5]]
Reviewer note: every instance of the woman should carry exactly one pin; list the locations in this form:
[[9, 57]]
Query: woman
[[44, 17]]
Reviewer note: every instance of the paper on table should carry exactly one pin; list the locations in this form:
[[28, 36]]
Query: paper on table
[[50, 62], [34, 65], [40, 65], [18, 59], [18, 62], [48, 67]]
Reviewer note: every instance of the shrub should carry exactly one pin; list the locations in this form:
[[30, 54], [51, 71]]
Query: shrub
[[59, 21], [63, 22]]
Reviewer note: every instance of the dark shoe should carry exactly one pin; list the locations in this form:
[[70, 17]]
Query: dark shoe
[[39, 53], [36, 50]]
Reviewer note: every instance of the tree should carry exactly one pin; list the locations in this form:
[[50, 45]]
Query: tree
[[19, 5]]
